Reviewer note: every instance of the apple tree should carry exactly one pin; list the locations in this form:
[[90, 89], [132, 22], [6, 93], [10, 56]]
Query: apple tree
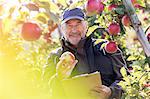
[[30, 29]]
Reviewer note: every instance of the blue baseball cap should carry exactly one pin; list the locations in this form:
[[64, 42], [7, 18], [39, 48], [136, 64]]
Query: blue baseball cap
[[75, 13]]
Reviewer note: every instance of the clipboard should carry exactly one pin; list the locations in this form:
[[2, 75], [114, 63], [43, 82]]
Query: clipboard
[[79, 87]]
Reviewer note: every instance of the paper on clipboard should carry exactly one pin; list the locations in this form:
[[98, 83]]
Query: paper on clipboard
[[79, 87]]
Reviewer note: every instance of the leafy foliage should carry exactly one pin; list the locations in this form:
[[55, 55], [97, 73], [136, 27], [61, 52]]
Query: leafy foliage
[[26, 60]]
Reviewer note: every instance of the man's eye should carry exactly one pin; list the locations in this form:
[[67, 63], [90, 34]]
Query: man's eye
[[71, 26]]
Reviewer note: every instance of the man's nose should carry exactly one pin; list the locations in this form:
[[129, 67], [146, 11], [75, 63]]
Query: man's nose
[[74, 30]]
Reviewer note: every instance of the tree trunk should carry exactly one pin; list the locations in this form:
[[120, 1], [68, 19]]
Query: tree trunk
[[137, 26]]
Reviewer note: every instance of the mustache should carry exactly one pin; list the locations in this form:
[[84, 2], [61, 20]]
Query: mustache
[[75, 33]]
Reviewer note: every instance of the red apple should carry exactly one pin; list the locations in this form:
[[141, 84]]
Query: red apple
[[130, 69], [111, 47], [30, 31], [114, 29], [147, 85], [134, 1], [145, 19], [138, 6], [126, 20], [148, 36], [94, 7], [112, 6]]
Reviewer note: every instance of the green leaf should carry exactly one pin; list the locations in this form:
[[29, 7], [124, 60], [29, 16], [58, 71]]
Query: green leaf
[[120, 10], [54, 8], [54, 17], [12, 9], [102, 46], [62, 2], [91, 20], [100, 40], [91, 29], [42, 17], [45, 5], [76, 4], [127, 80], [123, 72], [32, 6], [130, 58], [44, 0]]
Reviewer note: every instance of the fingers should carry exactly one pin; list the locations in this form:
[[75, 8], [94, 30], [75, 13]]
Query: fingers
[[75, 62], [102, 90]]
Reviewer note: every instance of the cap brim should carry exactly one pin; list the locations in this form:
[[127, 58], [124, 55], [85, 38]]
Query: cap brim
[[73, 17]]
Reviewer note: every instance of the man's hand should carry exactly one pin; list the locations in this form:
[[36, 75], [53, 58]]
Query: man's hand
[[101, 92]]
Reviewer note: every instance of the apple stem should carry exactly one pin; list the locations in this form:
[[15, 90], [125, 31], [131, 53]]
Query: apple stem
[[112, 38]]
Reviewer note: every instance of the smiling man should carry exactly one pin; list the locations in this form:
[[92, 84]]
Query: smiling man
[[74, 27], [74, 31], [90, 57]]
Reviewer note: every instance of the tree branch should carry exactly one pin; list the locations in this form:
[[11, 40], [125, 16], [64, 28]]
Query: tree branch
[[137, 26]]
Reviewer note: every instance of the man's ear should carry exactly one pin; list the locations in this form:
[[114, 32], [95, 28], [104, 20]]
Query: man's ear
[[85, 26]]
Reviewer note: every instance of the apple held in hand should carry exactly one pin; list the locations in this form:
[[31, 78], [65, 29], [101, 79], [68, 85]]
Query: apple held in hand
[[114, 29], [111, 47], [65, 65], [30, 31], [94, 7], [67, 57]]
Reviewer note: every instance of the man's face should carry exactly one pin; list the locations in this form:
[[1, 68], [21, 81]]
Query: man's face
[[75, 30]]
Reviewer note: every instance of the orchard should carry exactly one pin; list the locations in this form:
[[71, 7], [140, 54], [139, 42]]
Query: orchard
[[30, 30]]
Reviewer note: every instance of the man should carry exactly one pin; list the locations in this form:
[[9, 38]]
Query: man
[[90, 57]]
